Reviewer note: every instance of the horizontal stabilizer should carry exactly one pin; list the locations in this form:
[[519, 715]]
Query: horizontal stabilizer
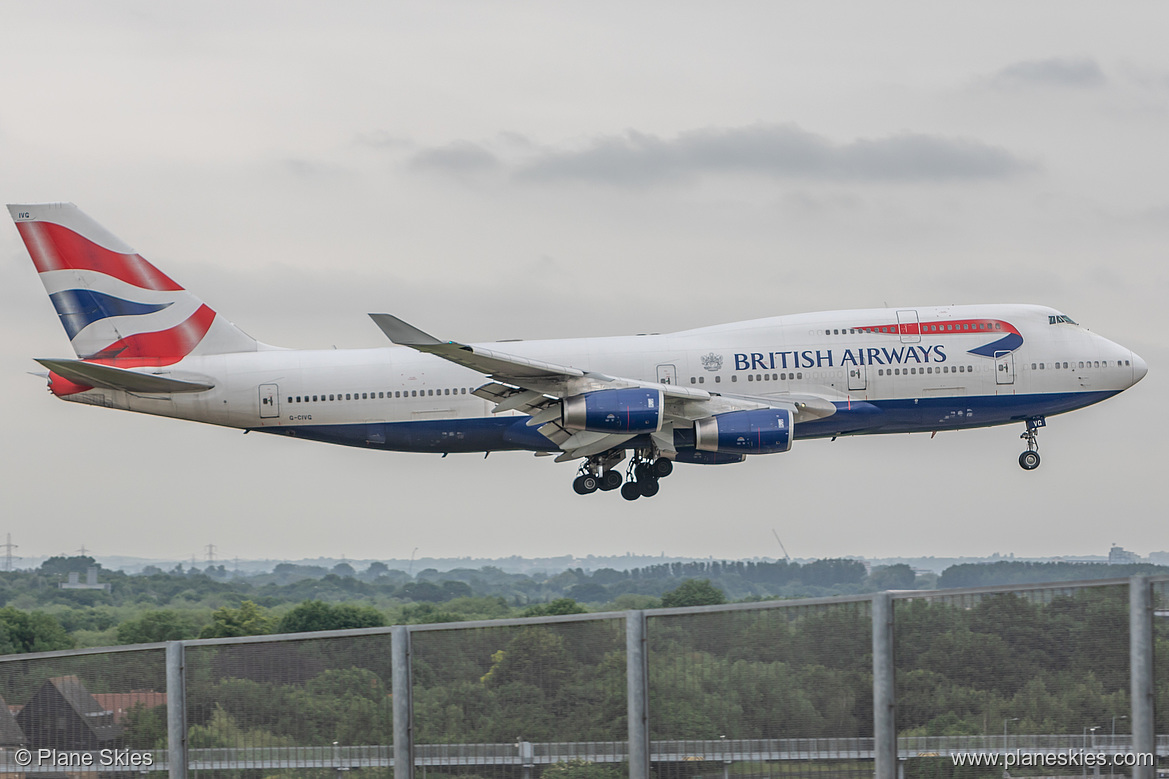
[[106, 376]]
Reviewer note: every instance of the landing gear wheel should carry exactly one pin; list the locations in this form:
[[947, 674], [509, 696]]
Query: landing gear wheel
[[610, 480], [642, 472], [662, 468], [1029, 460], [630, 490], [648, 488], [585, 484]]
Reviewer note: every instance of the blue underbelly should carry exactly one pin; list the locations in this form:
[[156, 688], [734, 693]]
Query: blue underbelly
[[492, 434]]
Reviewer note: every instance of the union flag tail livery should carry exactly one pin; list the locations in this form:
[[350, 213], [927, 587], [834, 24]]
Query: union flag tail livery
[[706, 396], [114, 305]]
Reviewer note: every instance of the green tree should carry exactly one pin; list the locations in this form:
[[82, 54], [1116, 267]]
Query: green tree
[[693, 592], [892, 577], [35, 631], [555, 608], [313, 615], [248, 620], [62, 565], [145, 728], [160, 625]]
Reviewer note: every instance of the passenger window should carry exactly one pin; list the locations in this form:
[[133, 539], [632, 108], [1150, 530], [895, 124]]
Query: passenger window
[[750, 377], [701, 379], [718, 379], [289, 398], [799, 375], [734, 377]]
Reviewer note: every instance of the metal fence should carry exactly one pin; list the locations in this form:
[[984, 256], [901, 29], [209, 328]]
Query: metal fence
[[888, 685]]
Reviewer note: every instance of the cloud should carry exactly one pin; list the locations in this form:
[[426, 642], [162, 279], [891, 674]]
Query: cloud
[[457, 157], [1071, 72], [777, 151]]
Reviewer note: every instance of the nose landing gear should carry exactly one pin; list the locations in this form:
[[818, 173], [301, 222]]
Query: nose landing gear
[[1029, 460]]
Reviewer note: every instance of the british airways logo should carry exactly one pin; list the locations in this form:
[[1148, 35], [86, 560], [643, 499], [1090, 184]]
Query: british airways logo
[[828, 358], [1008, 341]]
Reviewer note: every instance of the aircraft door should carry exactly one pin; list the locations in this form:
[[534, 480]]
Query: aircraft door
[[1004, 368], [667, 374], [858, 377], [269, 401], [909, 326]]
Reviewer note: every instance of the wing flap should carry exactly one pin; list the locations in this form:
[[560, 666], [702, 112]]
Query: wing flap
[[109, 377]]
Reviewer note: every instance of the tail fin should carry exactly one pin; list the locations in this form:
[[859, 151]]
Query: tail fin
[[115, 306]]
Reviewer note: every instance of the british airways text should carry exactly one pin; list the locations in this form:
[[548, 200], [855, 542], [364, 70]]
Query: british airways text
[[826, 358]]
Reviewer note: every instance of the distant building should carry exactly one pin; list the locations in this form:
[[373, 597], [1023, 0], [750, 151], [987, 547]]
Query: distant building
[[1120, 556], [10, 733], [119, 704], [1159, 558], [63, 715], [90, 581]]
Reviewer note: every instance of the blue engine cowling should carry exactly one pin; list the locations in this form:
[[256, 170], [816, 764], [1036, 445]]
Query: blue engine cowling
[[765, 431], [634, 410]]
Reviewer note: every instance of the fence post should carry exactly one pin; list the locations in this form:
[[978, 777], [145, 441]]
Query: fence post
[[884, 701], [1140, 643], [403, 692], [176, 710], [637, 685]]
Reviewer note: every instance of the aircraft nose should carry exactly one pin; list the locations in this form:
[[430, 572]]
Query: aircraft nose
[[1139, 368]]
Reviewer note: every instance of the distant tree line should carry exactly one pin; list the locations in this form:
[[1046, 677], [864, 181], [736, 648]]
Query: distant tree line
[[156, 605]]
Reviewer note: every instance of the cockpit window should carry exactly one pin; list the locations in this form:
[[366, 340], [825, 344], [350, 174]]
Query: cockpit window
[[1055, 319]]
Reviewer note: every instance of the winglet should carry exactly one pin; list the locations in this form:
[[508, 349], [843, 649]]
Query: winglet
[[402, 333]]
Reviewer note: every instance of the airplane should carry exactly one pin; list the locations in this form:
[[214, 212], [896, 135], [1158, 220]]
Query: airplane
[[708, 396]]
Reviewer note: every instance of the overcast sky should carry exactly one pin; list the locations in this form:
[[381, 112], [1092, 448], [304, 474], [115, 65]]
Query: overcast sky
[[530, 170]]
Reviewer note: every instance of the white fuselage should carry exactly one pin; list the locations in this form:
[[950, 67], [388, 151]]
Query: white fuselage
[[886, 370]]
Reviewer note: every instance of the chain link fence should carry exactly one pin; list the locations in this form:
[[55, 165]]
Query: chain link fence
[[81, 703], [1161, 655], [745, 691], [1004, 666], [762, 691], [306, 703], [508, 699]]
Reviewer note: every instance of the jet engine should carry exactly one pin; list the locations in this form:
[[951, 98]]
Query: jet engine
[[634, 410], [763, 431]]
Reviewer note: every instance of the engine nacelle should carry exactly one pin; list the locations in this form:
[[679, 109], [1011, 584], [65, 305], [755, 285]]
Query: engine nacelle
[[764, 431], [696, 457], [634, 410]]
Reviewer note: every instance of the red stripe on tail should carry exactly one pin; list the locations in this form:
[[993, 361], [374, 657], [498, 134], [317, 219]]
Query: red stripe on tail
[[164, 347], [53, 247]]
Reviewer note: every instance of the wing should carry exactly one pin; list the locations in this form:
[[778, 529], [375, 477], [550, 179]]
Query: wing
[[537, 388]]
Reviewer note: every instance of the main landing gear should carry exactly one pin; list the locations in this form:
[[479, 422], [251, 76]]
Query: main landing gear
[[644, 474], [641, 480], [596, 473], [1029, 460]]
